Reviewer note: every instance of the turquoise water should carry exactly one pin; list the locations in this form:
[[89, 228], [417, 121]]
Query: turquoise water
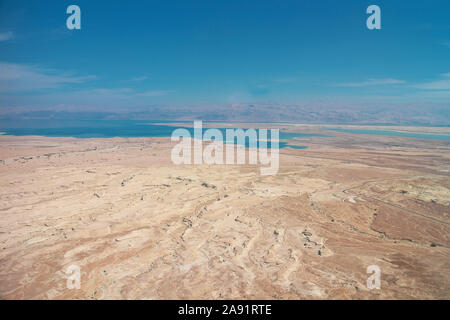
[[114, 128], [432, 136]]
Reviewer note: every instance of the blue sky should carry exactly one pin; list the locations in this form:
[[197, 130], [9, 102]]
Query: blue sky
[[141, 53]]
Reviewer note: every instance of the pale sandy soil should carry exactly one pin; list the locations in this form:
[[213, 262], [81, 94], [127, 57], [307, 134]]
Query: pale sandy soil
[[140, 227]]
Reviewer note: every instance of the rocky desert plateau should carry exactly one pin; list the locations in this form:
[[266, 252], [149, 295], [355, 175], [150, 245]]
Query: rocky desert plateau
[[140, 227]]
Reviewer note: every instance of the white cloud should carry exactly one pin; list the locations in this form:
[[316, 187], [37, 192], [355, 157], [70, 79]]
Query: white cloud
[[434, 85], [371, 82], [443, 84], [5, 36], [17, 77]]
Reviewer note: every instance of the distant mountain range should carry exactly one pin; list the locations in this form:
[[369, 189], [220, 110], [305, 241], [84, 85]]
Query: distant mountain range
[[299, 113]]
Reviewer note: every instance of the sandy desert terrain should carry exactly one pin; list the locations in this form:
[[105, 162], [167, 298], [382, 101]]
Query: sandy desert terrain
[[140, 227]]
